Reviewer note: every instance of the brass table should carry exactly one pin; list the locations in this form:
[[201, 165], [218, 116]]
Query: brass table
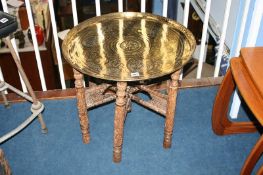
[[127, 48]]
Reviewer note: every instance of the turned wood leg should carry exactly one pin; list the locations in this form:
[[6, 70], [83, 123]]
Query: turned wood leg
[[220, 123], [128, 102], [26, 81], [82, 107], [120, 113], [170, 109], [253, 157]]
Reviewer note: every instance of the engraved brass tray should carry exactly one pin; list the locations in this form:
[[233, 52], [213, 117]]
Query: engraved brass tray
[[128, 46]]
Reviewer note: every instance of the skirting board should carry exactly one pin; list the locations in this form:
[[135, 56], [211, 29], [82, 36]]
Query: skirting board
[[70, 92]]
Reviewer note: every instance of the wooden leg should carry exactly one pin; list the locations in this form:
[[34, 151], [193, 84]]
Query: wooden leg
[[128, 102], [260, 171], [4, 165], [120, 113], [26, 81], [170, 109], [82, 107], [220, 123], [253, 157]]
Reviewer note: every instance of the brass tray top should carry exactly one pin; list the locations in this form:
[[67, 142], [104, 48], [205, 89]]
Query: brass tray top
[[128, 46]]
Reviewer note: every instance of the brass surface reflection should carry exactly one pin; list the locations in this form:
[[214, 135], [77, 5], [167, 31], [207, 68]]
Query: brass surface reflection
[[128, 46]]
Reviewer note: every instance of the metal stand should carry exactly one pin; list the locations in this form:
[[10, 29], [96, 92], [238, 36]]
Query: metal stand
[[36, 108]]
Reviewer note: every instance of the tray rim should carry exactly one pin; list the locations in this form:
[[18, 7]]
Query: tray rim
[[91, 21]]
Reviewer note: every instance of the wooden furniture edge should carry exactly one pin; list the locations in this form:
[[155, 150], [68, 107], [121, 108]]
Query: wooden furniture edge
[[4, 163], [60, 94]]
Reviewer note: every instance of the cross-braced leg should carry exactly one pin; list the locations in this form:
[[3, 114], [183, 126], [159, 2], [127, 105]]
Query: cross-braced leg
[[82, 107], [170, 109], [120, 114]]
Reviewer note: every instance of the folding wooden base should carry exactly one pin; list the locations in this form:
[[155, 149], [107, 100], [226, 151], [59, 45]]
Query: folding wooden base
[[124, 94]]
